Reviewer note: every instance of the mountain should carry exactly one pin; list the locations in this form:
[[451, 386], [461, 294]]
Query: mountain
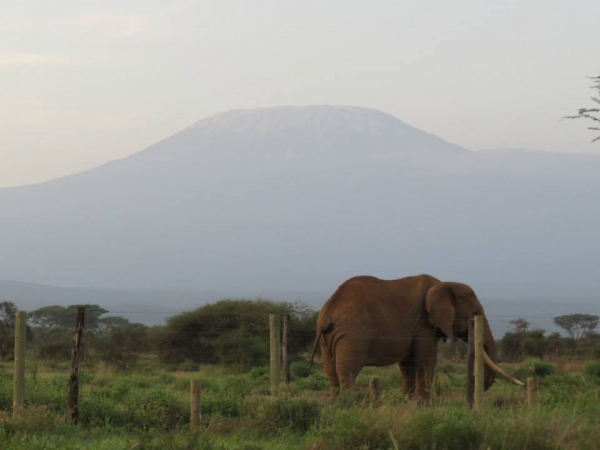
[[297, 199]]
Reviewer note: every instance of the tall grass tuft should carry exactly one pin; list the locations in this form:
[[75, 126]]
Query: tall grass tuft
[[592, 370], [271, 415]]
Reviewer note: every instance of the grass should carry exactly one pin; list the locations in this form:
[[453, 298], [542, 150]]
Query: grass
[[149, 409]]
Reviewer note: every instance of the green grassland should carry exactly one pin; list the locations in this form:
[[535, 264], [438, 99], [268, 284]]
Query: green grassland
[[148, 408]]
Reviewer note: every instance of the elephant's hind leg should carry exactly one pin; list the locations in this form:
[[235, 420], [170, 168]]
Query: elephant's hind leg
[[329, 367], [350, 359]]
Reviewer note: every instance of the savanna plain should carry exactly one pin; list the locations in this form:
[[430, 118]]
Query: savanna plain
[[142, 400]]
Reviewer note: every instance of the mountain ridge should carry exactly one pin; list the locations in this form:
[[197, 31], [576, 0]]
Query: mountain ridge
[[303, 213]]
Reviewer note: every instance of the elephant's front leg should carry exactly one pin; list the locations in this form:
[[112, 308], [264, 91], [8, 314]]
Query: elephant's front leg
[[424, 381], [407, 368], [425, 362]]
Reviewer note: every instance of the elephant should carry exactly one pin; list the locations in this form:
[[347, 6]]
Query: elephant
[[374, 322]]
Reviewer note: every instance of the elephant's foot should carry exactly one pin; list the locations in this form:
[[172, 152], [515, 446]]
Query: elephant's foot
[[422, 400]]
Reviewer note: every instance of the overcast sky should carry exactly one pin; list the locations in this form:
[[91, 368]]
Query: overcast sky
[[82, 83]]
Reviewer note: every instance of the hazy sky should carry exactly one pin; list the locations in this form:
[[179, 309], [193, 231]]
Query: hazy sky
[[82, 83]]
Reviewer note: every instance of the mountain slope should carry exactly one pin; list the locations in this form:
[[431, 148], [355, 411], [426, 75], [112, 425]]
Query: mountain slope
[[301, 198]]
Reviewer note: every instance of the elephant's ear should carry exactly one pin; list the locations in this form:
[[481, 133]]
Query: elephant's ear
[[441, 306]]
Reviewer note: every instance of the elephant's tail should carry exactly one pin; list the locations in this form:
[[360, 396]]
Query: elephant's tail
[[314, 350]]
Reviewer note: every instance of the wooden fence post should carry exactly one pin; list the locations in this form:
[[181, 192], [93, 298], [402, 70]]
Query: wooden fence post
[[195, 411], [470, 364], [478, 362], [19, 370], [74, 379], [284, 350], [275, 336], [374, 391], [531, 390]]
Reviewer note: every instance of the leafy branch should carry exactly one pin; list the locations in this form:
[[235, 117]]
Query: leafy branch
[[590, 113]]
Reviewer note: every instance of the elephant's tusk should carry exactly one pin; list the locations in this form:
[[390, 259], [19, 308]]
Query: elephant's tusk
[[492, 365]]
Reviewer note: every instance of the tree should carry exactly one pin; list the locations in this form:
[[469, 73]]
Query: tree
[[577, 325], [7, 329], [520, 325], [55, 316], [48, 317], [589, 345], [534, 343], [554, 344], [121, 345], [233, 332], [510, 346], [590, 113], [111, 322]]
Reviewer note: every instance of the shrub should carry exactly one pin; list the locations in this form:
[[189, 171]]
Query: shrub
[[316, 381], [541, 369], [300, 369], [120, 347], [592, 369], [156, 408], [232, 332], [221, 403], [506, 398], [188, 365], [241, 348], [54, 351], [259, 372]]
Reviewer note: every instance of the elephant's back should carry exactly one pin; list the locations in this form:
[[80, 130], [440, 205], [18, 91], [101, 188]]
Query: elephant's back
[[370, 297]]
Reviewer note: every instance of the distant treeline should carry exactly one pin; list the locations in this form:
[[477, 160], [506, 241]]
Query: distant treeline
[[234, 332]]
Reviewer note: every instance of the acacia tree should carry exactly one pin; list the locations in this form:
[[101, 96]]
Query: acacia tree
[[520, 325], [521, 341], [577, 325], [56, 317], [592, 114]]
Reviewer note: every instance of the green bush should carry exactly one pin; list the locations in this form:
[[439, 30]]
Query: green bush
[[232, 332], [188, 365], [316, 382], [592, 369], [273, 415], [55, 351], [221, 403], [300, 369], [259, 372], [541, 369]]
